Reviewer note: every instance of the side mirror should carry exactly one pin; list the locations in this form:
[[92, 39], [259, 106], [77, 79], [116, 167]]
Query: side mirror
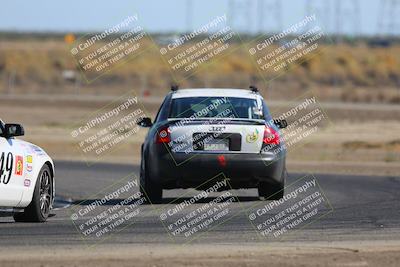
[[145, 122], [281, 123], [12, 129]]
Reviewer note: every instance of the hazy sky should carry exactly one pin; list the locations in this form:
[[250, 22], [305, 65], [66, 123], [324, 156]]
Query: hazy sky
[[162, 15]]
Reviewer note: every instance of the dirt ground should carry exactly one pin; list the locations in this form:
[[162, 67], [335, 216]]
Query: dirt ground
[[277, 254]]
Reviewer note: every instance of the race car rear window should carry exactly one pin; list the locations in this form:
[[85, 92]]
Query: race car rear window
[[211, 107]]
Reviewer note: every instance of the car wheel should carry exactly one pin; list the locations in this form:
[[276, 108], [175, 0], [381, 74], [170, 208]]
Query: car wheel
[[39, 209], [272, 191], [151, 190]]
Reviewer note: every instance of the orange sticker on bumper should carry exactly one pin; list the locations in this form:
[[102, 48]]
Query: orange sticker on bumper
[[19, 165]]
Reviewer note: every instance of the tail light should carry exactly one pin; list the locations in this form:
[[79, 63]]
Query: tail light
[[163, 135], [270, 136]]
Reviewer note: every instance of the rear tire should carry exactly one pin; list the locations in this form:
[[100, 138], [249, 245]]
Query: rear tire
[[272, 191], [39, 209], [151, 190]]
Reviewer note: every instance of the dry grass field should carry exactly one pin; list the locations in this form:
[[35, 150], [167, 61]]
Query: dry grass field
[[344, 72]]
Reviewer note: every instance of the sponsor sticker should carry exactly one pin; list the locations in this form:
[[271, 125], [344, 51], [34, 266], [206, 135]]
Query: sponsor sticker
[[36, 150], [27, 183], [252, 137], [19, 163], [29, 161]]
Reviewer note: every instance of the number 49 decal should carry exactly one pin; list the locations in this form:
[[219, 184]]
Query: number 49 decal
[[6, 165]]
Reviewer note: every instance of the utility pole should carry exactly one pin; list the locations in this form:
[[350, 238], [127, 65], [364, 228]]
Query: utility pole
[[189, 15], [388, 18], [239, 15], [347, 14], [270, 12], [322, 10]]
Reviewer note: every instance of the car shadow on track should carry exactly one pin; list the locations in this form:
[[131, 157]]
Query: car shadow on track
[[169, 200], [207, 200]]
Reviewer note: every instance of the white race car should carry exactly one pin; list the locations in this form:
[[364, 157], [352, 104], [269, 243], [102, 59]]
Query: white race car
[[27, 183]]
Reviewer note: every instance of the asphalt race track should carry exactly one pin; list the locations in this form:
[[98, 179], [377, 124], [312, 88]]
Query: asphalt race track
[[364, 208]]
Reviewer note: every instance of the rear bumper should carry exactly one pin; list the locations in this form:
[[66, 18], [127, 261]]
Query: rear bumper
[[180, 170]]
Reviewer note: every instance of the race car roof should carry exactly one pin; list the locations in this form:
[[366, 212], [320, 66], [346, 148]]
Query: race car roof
[[214, 92]]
